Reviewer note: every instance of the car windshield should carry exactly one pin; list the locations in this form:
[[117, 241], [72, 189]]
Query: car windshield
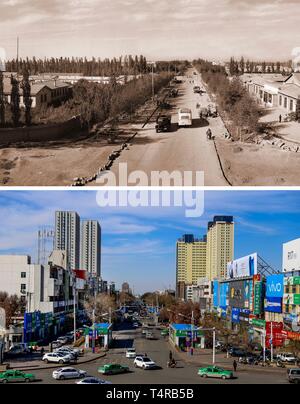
[[147, 360]]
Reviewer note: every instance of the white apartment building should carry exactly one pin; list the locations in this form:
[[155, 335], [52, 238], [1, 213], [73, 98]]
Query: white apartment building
[[91, 247], [45, 288], [67, 236]]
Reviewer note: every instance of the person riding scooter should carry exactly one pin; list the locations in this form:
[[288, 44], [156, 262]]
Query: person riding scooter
[[172, 363]]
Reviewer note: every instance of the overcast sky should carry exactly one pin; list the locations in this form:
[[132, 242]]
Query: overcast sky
[[139, 244], [159, 29]]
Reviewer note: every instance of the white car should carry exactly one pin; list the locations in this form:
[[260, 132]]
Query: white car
[[56, 358], [68, 373], [131, 353], [287, 358], [69, 352], [93, 380], [145, 363]]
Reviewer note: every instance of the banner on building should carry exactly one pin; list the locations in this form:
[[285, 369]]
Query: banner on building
[[243, 267], [258, 298], [291, 256], [216, 294], [235, 316]]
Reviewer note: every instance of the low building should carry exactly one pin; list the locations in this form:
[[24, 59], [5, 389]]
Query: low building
[[182, 335], [43, 94], [274, 90], [101, 334]]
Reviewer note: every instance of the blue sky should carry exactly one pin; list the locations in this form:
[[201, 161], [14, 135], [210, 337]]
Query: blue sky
[[156, 28], [139, 243]]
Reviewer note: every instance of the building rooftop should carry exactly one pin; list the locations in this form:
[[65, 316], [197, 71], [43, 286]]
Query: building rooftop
[[36, 87], [292, 90]]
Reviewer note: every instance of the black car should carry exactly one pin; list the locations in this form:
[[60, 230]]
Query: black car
[[163, 123]]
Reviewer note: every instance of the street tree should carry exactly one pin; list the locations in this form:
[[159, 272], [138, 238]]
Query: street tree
[[13, 306], [100, 306], [26, 87], [2, 100]]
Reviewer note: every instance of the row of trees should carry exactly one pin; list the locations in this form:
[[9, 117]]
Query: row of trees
[[13, 306], [128, 65], [241, 109], [15, 109], [96, 103], [239, 67]]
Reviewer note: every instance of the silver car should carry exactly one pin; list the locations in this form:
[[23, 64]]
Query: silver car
[[68, 373]]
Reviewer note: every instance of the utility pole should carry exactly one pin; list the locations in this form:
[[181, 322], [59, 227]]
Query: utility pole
[[153, 89], [214, 346], [74, 310], [272, 346], [94, 333], [18, 44]]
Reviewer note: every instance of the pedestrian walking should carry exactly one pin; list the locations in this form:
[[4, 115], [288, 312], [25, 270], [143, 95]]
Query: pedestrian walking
[[280, 118], [235, 366], [170, 356], [42, 351]]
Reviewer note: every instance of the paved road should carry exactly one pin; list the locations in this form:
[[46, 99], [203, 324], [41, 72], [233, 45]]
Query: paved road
[[158, 350], [183, 149]]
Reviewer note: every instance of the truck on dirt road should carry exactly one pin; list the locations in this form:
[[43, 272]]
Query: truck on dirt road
[[185, 117]]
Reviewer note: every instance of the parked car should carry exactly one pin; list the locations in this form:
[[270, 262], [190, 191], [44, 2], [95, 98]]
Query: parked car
[[56, 344], [215, 372], [65, 352], [68, 373], [145, 363], [294, 376], [131, 353], [197, 90], [113, 369], [150, 336], [56, 358], [16, 376], [164, 333], [93, 380], [64, 340], [237, 353]]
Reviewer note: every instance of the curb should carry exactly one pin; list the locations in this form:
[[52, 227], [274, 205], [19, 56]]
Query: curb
[[56, 366]]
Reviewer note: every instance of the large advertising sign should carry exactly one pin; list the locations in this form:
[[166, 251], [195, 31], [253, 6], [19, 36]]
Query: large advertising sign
[[243, 267], [273, 305], [258, 298], [275, 286], [216, 294], [224, 290], [292, 281], [291, 256], [290, 299], [237, 294]]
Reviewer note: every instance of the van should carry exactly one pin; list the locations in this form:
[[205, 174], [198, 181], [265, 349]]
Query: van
[[294, 376], [185, 117]]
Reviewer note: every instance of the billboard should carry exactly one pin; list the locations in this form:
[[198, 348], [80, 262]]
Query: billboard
[[273, 305], [292, 281], [291, 299], [258, 298], [224, 290], [216, 294], [243, 267], [275, 286], [237, 294], [291, 256]]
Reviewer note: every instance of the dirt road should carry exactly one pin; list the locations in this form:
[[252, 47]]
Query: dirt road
[[182, 149]]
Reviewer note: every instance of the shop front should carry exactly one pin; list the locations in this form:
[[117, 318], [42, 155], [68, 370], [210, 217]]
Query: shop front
[[99, 336], [186, 336]]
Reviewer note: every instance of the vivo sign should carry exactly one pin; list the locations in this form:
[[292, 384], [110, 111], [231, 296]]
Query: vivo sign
[[275, 286]]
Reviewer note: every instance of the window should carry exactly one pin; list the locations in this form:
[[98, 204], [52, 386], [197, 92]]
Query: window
[[23, 275]]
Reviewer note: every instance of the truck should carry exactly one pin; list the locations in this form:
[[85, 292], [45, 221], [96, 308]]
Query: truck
[[185, 117], [163, 123]]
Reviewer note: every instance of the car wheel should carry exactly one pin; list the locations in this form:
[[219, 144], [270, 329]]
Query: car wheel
[[61, 362], [27, 381], [223, 377], [204, 376], [4, 381], [62, 378], [46, 361]]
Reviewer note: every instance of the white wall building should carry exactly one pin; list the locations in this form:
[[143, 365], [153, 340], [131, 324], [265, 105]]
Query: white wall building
[[46, 288]]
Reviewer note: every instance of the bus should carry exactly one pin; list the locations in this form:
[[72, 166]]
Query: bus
[[185, 117]]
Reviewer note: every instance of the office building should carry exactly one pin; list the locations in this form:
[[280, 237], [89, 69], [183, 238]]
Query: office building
[[220, 246], [67, 236]]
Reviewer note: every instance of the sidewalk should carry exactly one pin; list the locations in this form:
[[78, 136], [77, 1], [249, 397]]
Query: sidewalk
[[204, 358]]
